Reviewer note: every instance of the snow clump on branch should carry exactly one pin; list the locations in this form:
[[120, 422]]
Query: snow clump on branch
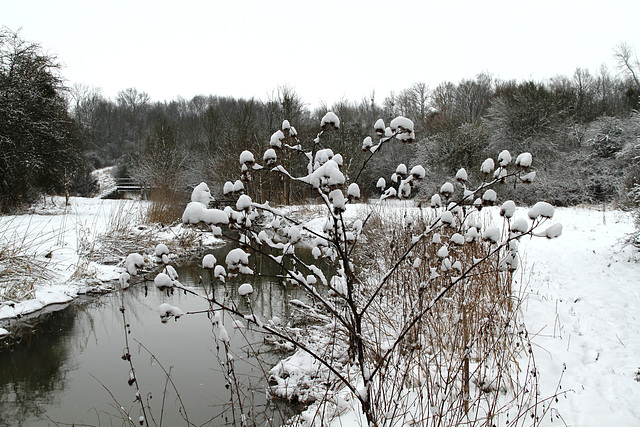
[[202, 194], [330, 119]]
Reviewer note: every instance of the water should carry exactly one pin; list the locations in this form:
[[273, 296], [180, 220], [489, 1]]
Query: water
[[68, 366]]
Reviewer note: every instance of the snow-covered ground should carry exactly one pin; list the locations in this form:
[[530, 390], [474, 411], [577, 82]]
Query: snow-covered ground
[[583, 302], [54, 237], [584, 309]]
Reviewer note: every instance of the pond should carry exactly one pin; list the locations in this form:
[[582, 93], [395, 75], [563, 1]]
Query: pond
[[68, 367]]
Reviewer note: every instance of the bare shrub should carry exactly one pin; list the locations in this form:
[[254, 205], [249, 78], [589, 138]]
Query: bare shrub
[[165, 207], [420, 318], [460, 363]]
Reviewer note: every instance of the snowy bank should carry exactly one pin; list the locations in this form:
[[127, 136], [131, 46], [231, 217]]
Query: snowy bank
[[64, 242]]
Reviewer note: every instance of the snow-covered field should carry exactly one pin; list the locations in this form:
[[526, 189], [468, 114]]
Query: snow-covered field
[[583, 302]]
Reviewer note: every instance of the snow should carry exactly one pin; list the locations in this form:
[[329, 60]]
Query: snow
[[401, 169], [330, 119], [123, 279], [270, 155], [276, 139], [584, 309], [443, 252], [462, 175], [337, 198], [106, 183], [171, 272], [247, 157], [541, 209], [492, 234], [528, 177], [133, 262], [236, 258], [237, 186], [552, 232], [401, 123], [327, 174], [436, 201], [489, 196], [418, 172], [167, 311], [367, 143], [379, 126], [202, 194], [163, 281], [504, 158], [56, 236], [294, 234], [244, 202], [161, 249], [447, 218], [446, 189], [208, 261], [353, 191], [524, 160], [60, 238], [227, 188], [322, 157], [507, 209], [219, 273], [487, 166], [457, 239], [520, 225], [245, 289], [196, 212]]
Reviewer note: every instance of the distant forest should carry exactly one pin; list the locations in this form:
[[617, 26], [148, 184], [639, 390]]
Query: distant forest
[[582, 130]]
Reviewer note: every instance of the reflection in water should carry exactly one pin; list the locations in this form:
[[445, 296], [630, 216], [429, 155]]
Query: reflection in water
[[29, 380], [70, 368]]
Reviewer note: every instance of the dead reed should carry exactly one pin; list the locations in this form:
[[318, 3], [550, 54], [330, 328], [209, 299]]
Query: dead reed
[[459, 364]]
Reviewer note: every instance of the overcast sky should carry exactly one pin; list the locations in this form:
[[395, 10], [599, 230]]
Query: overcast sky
[[324, 50]]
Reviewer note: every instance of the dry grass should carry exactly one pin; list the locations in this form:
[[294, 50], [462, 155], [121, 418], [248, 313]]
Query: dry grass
[[459, 364], [166, 206], [20, 267]]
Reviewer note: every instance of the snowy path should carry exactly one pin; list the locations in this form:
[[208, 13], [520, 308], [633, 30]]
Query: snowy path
[[584, 309]]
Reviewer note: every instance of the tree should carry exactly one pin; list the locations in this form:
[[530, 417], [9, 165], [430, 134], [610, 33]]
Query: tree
[[414, 104], [524, 116], [39, 148], [630, 66]]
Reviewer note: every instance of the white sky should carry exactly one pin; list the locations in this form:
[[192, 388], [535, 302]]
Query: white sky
[[324, 50]]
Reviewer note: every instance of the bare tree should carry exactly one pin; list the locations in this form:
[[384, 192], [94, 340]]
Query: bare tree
[[133, 99], [628, 62]]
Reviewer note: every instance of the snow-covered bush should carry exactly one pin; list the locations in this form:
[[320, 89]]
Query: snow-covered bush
[[438, 288]]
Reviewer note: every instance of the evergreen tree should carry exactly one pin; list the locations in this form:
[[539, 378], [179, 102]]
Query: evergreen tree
[[39, 150]]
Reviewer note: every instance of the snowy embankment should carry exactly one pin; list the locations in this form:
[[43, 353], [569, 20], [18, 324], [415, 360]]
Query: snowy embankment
[[57, 248], [583, 309], [55, 238]]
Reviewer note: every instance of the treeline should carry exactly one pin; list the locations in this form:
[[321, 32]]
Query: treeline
[[583, 131]]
